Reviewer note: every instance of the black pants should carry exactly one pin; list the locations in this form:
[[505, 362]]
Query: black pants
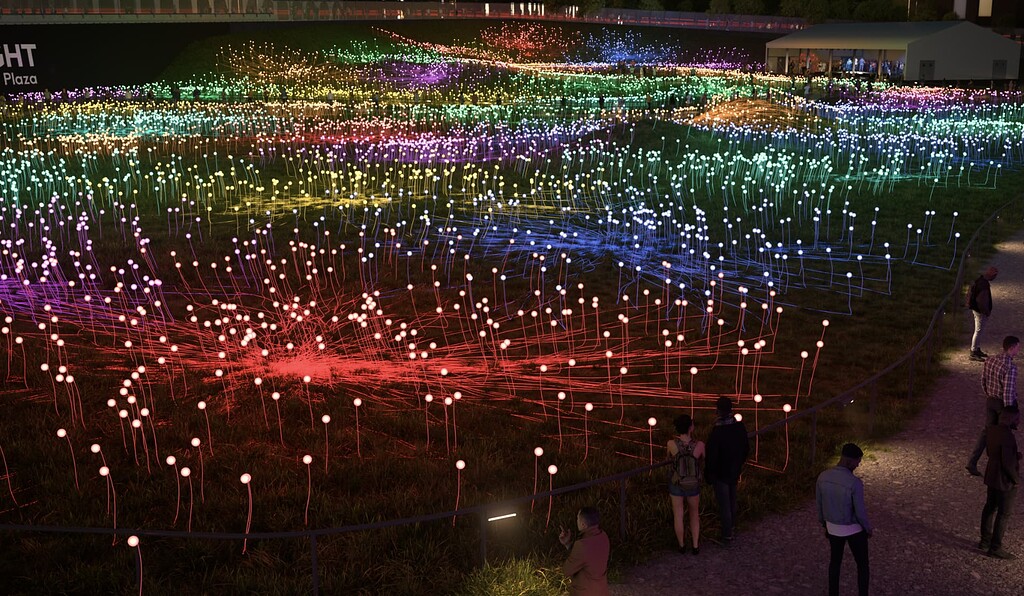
[[998, 505], [993, 406], [859, 547], [725, 494]]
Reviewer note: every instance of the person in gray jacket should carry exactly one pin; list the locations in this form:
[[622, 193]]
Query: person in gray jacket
[[841, 511]]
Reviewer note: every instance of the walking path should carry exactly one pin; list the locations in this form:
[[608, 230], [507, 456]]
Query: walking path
[[925, 508]]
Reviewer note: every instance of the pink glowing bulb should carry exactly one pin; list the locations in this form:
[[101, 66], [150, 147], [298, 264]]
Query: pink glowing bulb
[[652, 421], [444, 372], [820, 344], [201, 405], [758, 398], [357, 402], [196, 442], [133, 541], [95, 448], [245, 478], [258, 381], [543, 368], [326, 419], [538, 451], [307, 459], [171, 460], [824, 323], [104, 471], [275, 396], [738, 417], [804, 354], [62, 433], [185, 472], [306, 379], [561, 395], [552, 469], [428, 398], [460, 465], [787, 408]]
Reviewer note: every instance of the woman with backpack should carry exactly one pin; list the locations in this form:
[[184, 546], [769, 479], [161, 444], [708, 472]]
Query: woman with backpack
[[687, 456]]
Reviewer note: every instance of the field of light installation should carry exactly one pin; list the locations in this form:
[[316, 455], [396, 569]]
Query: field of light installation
[[368, 281]]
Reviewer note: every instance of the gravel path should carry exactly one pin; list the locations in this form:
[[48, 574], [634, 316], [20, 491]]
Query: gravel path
[[925, 507]]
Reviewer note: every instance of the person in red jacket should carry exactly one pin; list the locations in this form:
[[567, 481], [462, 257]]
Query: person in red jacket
[[587, 564]]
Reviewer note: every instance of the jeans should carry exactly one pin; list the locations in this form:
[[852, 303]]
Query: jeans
[[859, 547], [979, 326], [993, 406], [999, 505], [725, 494]]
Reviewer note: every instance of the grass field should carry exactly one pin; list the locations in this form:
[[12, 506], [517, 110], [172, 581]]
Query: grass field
[[362, 256]]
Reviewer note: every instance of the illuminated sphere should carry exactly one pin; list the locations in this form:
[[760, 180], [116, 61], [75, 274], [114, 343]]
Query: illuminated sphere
[[245, 478], [171, 460], [652, 421], [444, 372], [589, 407], [758, 398], [306, 379], [307, 459], [804, 354], [195, 441], [201, 405], [62, 433], [561, 395], [357, 402], [185, 472], [787, 408], [325, 418], [104, 471], [95, 448], [133, 541], [552, 469], [538, 451], [738, 417], [460, 465]]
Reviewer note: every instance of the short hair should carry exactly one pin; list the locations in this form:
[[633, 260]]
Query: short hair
[[991, 272], [1009, 341], [852, 451], [590, 515], [724, 405], [683, 423]]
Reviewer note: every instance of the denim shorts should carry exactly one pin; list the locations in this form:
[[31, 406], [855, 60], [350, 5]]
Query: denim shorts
[[675, 491]]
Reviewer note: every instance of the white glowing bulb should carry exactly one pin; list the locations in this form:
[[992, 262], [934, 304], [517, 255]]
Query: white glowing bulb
[[133, 541], [245, 478], [538, 451], [326, 419], [171, 460], [185, 472], [460, 465], [552, 469], [307, 459], [652, 421], [787, 408], [589, 407]]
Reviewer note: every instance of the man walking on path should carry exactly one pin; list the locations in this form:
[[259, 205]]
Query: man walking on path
[[1002, 475], [999, 382], [980, 301], [840, 498], [726, 452]]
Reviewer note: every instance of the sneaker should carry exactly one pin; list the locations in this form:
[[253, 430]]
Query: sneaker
[[973, 470], [999, 553], [976, 357], [982, 354]]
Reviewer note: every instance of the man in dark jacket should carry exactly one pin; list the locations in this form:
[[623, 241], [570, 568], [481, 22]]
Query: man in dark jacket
[[726, 453], [1002, 475], [980, 301]]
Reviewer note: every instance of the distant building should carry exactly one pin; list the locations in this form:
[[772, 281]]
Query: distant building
[[918, 51], [990, 13]]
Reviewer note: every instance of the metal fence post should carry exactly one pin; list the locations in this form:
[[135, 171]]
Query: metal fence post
[[910, 376], [483, 539], [814, 436], [622, 508], [871, 407], [313, 560]]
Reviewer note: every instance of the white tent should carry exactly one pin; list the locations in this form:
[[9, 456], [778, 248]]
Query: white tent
[[926, 51]]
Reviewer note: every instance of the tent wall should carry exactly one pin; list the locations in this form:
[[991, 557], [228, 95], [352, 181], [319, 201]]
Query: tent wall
[[974, 56]]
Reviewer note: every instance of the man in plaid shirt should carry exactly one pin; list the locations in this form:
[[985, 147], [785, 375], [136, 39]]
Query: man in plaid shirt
[[999, 382]]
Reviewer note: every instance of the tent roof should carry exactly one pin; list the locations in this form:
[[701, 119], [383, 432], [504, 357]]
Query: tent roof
[[861, 36]]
